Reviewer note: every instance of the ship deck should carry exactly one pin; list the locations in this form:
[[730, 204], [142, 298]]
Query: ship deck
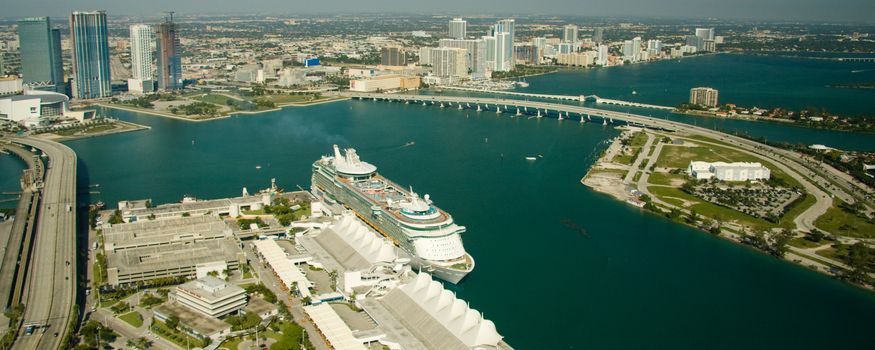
[[379, 190]]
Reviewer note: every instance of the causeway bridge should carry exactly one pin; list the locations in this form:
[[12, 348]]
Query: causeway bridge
[[847, 189], [579, 98]]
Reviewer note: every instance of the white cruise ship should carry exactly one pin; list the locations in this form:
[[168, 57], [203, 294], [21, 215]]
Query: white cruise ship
[[412, 222]]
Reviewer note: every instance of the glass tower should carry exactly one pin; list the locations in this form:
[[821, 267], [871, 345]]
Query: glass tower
[[42, 67], [90, 55], [169, 62]]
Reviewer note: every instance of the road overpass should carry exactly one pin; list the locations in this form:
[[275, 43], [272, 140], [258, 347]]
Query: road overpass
[[18, 245], [50, 289], [818, 178]]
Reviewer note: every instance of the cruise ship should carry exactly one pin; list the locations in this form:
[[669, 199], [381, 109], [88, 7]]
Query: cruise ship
[[412, 222]]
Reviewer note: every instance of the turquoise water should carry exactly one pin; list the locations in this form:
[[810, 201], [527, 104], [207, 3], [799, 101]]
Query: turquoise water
[[10, 177], [745, 80], [634, 282]]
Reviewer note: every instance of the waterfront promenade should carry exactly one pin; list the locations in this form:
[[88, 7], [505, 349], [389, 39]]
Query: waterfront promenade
[[831, 182]]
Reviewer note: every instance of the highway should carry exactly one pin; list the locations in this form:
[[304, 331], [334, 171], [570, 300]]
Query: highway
[[810, 174], [50, 289]]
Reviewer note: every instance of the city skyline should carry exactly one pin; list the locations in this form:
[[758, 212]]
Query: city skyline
[[785, 10]]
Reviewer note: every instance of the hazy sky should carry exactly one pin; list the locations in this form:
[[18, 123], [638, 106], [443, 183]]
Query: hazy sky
[[811, 10]]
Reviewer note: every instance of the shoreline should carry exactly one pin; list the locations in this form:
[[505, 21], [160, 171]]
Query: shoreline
[[605, 177], [776, 121], [229, 115]]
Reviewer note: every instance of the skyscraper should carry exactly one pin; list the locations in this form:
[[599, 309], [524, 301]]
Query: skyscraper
[[598, 35], [570, 34], [704, 39], [449, 62], [503, 31], [90, 55], [392, 56], [458, 28], [169, 61], [42, 67], [476, 52], [602, 56], [705, 33], [632, 49], [141, 58]]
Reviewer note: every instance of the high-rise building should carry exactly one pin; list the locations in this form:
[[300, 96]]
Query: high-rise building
[[476, 52], [598, 35], [393, 56], [602, 55], [527, 54], [504, 32], [141, 59], [704, 39], [703, 96], [632, 49], [705, 33], [169, 60], [654, 47], [570, 34], [42, 67], [565, 48], [458, 28], [449, 62], [490, 43], [90, 43]]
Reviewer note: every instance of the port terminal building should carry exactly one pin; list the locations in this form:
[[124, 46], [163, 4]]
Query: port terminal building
[[180, 247], [739, 171]]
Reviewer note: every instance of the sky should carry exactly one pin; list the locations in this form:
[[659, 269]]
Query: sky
[[781, 10]]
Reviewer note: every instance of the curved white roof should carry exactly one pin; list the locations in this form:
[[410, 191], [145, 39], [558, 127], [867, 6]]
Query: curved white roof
[[467, 324], [366, 242]]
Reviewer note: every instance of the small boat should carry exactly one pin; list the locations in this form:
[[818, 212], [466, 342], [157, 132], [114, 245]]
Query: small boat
[[411, 143], [258, 167], [532, 158], [634, 92]]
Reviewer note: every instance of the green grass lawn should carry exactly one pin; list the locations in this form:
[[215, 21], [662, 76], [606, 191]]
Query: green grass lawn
[[214, 99], [839, 221], [806, 244], [174, 336], [133, 318], [664, 178], [787, 219], [231, 344], [86, 130], [638, 140], [279, 99]]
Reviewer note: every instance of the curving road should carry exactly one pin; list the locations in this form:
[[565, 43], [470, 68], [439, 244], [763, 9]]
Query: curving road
[[50, 290], [813, 176]]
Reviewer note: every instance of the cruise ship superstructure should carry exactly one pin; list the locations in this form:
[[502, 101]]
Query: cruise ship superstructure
[[412, 222]]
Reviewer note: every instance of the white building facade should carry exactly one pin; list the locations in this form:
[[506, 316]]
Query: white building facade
[[739, 171], [141, 59]]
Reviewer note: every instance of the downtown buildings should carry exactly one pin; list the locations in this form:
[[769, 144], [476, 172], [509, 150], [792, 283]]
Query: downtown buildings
[[393, 56], [141, 59], [89, 40], [458, 28], [42, 67], [169, 60]]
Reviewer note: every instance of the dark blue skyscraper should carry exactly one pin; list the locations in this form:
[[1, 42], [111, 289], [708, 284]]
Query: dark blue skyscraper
[[41, 65], [90, 44]]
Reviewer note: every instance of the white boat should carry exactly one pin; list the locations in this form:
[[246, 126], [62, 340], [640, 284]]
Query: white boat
[[532, 158]]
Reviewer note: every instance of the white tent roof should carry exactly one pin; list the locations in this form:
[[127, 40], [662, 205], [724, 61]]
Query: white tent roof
[[288, 273], [333, 328]]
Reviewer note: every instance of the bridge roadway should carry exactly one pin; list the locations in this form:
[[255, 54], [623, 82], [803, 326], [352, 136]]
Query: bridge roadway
[[51, 284], [813, 176], [17, 247], [579, 98]]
